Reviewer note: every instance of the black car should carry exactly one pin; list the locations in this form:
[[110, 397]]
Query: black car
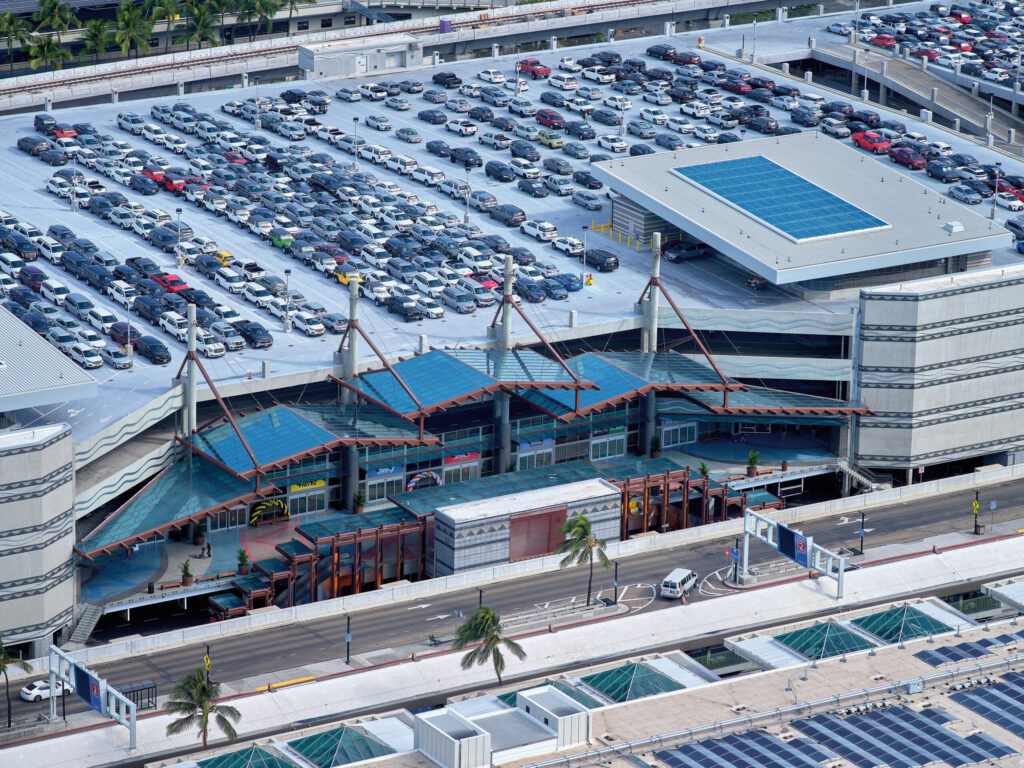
[[557, 165], [411, 86], [467, 157], [841, 107], [533, 187], [641, 149], [98, 277], [608, 58], [869, 117], [525, 150], [509, 215], [73, 263], [198, 297], [405, 307], [36, 322], [446, 79], [661, 51], [53, 157], [34, 145], [151, 348], [580, 129], [522, 256], [481, 114], [324, 181], [433, 116], [554, 98], [499, 171], [685, 250], [606, 117], [143, 265], [439, 148], [603, 260], [206, 265], [503, 123], [587, 179], [61, 234], [804, 116], [255, 335], [763, 124], [164, 239], [100, 206], [172, 302], [782, 130]]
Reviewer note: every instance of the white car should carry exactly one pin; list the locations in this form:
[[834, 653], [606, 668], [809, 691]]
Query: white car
[[308, 323], [528, 132], [100, 319], [657, 97], [40, 690], [568, 64], [564, 82], [613, 143], [839, 28], [256, 294], [653, 115], [524, 169], [59, 187], [519, 85], [679, 125], [379, 122], [142, 228], [695, 109], [539, 230], [186, 252], [123, 217], [85, 355], [787, 103], [155, 133], [599, 75], [570, 246], [491, 76], [1008, 201], [615, 101], [707, 133], [461, 127], [121, 176]]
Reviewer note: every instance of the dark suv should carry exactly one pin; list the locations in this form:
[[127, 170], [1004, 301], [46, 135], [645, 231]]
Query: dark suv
[[467, 156], [447, 79], [33, 145], [662, 52], [603, 260], [509, 215], [154, 350]]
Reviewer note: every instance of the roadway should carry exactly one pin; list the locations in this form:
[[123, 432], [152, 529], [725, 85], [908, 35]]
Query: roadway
[[283, 648]]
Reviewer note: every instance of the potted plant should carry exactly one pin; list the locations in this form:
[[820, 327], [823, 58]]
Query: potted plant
[[199, 539], [752, 459], [655, 447], [185, 567], [243, 562], [358, 501], [785, 465], [703, 469]]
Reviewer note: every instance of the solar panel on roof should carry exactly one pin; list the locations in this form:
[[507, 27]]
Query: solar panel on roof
[[779, 198]]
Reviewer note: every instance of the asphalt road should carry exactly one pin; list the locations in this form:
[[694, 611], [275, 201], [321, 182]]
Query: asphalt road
[[282, 648]]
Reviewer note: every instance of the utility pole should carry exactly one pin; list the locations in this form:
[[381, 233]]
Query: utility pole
[[348, 639], [863, 519], [207, 664]]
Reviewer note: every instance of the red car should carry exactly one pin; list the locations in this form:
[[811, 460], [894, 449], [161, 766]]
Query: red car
[[174, 183], [925, 53], [124, 334], [233, 157], [486, 282], [64, 131], [736, 86], [154, 172], [550, 118], [170, 283], [884, 41], [962, 16], [199, 181], [871, 141], [31, 277], [686, 57], [907, 157], [534, 68]]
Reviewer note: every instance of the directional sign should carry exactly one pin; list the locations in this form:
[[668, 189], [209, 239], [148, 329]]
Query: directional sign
[[734, 554], [974, 506], [348, 637], [87, 686], [207, 664], [792, 545], [992, 506]]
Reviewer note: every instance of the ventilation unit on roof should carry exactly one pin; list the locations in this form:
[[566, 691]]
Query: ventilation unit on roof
[[953, 226]]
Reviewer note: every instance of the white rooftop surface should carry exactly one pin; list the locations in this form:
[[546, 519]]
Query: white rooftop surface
[[951, 282], [683, 669], [478, 706], [33, 372], [1009, 592], [345, 46], [766, 652], [518, 502], [916, 215], [512, 728], [391, 731], [711, 284], [553, 700]]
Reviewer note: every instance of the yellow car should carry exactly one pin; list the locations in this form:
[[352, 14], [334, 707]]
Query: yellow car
[[224, 257], [550, 138], [345, 275]]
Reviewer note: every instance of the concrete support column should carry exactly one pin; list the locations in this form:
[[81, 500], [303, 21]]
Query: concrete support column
[[885, 68], [610, 34], [809, 76], [502, 433], [553, 43], [924, 64], [436, 58], [39, 649], [785, 67], [181, 89], [725, 20], [780, 14], [669, 28], [245, 79], [495, 50], [352, 353], [883, 95], [821, 9], [1011, 136], [351, 480], [48, 102], [925, 115], [956, 124], [854, 81], [812, 43], [856, 5], [192, 370], [114, 96], [974, 89], [865, 94], [650, 421]]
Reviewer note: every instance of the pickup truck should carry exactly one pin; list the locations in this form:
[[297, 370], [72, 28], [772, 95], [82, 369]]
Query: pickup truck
[[534, 68], [568, 64]]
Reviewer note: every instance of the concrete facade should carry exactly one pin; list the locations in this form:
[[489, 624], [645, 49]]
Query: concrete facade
[[351, 58], [939, 365], [37, 533]]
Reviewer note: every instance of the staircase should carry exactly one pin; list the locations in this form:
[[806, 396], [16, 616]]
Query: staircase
[[86, 624], [865, 478]]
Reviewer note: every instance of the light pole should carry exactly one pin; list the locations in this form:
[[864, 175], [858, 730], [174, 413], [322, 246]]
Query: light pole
[[995, 195], [583, 258], [355, 132], [177, 248], [466, 217], [258, 122], [480, 602], [288, 301]]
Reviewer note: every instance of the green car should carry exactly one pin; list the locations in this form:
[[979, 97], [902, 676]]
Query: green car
[[280, 237]]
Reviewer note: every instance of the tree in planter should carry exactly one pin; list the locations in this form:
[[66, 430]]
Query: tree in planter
[[132, 30], [752, 459], [655, 447], [581, 547], [5, 663], [195, 699], [185, 566], [484, 628], [55, 14], [243, 561], [703, 469], [358, 502], [47, 53], [163, 10]]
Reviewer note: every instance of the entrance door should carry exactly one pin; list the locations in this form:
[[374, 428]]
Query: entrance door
[[297, 505], [362, 64]]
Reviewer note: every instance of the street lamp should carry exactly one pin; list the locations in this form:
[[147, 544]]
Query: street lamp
[[258, 122], [466, 217], [177, 249], [288, 301], [583, 257], [355, 131], [995, 194]]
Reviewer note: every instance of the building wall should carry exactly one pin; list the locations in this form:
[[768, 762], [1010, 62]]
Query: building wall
[[940, 366], [37, 533]]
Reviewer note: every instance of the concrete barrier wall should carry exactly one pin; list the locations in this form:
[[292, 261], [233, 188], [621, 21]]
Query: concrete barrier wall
[[510, 571], [147, 466]]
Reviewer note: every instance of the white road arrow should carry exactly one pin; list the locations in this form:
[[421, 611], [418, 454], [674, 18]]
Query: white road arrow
[[415, 607], [438, 618]]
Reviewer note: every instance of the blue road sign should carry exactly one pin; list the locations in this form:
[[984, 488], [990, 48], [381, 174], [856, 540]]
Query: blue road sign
[[87, 687], [734, 554], [792, 545], [348, 637], [992, 506]]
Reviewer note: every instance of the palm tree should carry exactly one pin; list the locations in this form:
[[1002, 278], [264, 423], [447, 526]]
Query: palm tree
[[266, 10], [163, 10], [580, 546], [55, 14], [5, 662], [132, 29], [96, 38], [293, 6], [483, 629], [195, 699], [200, 29], [223, 7], [46, 52], [15, 29]]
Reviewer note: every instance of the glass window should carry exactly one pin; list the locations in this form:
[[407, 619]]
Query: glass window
[[678, 434], [326, 23], [303, 26], [534, 460], [349, 21], [608, 447], [381, 489], [457, 474]]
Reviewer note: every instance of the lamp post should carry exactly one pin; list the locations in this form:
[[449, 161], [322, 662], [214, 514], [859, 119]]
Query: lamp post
[[583, 257], [288, 300], [177, 248], [355, 132], [258, 122], [465, 219], [995, 194]]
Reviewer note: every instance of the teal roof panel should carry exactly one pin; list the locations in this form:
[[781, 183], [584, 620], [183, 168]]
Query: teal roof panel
[[249, 757], [340, 746]]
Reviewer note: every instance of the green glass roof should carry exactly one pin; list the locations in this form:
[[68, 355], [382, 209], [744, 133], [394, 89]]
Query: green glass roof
[[635, 466], [764, 397], [250, 757], [630, 682], [613, 382], [184, 489], [665, 368], [340, 746], [442, 377], [360, 423], [227, 600], [424, 501], [901, 623], [350, 523], [824, 640]]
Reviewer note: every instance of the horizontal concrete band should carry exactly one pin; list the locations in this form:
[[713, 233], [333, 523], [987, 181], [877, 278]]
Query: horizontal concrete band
[[484, 576]]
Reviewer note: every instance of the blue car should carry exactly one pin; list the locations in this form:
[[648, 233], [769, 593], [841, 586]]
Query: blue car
[[569, 281], [530, 291], [439, 148], [143, 184], [554, 289], [432, 116]]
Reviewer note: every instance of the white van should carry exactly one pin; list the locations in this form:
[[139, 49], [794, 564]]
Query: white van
[[50, 249], [175, 324], [375, 153], [401, 164], [677, 583], [426, 175], [122, 293]]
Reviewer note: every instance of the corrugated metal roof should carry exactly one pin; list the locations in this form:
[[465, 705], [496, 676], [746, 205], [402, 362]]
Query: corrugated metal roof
[[33, 372], [915, 213]]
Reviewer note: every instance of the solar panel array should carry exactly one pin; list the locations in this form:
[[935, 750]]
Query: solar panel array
[[755, 749], [1002, 703], [780, 198], [959, 652], [899, 737]]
